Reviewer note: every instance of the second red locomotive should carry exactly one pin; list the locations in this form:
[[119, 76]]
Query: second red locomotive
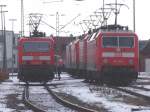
[[108, 55], [36, 59]]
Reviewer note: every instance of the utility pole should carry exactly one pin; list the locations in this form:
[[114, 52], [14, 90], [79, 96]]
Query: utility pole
[[57, 16], [116, 13], [4, 38], [5, 49], [134, 15], [12, 20], [2, 16], [103, 10], [57, 23], [13, 37], [22, 18], [2, 31]]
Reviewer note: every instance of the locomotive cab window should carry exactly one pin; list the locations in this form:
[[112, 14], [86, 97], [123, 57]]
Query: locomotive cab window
[[126, 42], [36, 47], [110, 42]]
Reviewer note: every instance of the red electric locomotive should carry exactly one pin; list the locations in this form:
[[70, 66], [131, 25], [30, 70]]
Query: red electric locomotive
[[36, 59], [108, 55]]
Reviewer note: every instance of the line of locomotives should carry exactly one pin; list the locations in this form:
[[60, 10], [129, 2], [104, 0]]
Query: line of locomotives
[[36, 59], [109, 55]]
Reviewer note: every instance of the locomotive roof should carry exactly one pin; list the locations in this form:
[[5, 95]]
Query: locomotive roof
[[112, 28]]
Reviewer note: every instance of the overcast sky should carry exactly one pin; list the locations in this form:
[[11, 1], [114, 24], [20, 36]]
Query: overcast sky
[[71, 9]]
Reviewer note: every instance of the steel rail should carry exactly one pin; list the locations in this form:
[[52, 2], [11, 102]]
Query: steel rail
[[28, 103], [147, 98], [141, 88], [67, 103]]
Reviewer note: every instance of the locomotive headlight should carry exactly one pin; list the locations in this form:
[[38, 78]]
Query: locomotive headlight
[[131, 61]]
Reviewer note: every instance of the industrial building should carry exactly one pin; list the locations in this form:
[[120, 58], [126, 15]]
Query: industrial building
[[11, 51]]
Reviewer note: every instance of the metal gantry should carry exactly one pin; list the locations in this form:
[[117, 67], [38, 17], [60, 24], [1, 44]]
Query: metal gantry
[[57, 22], [34, 22], [103, 14]]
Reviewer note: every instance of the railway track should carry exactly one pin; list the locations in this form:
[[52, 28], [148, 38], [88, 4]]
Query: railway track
[[28, 103], [58, 99], [144, 78], [127, 96], [140, 87], [69, 104], [124, 95], [135, 91]]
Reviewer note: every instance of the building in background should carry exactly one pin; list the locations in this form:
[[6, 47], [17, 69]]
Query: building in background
[[11, 51], [60, 45], [145, 57]]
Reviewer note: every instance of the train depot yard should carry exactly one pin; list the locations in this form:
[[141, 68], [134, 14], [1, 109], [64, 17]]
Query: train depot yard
[[90, 96], [98, 65]]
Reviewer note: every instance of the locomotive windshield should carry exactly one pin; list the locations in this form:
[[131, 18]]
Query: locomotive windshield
[[36, 47], [118, 42], [110, 41], [126, 42]]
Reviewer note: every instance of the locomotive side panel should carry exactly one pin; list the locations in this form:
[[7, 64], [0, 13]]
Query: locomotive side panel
[[81, 56], [73, 56], [91, 53], [67, 63], [77, 47]]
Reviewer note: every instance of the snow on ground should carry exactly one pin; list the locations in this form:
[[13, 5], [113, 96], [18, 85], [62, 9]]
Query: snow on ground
[[144, 86], [144, 74], [75, 88], [138, 91], [5, 90], [142, 80], [83, 93], [39, 95], [11, 96]]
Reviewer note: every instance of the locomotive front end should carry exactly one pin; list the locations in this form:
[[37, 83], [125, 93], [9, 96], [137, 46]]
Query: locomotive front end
[[36, 60], [120, 57]]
